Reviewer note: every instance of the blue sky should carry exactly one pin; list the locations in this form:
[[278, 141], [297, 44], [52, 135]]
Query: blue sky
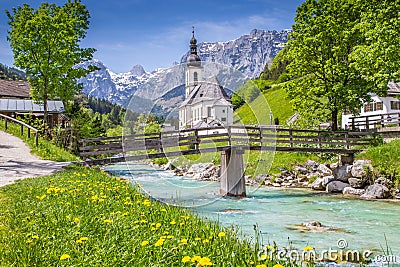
[[155, 33]]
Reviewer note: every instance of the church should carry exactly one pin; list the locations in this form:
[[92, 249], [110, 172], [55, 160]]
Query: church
[[206, 103]]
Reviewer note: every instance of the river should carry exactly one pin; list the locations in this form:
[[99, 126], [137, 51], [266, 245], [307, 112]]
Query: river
[[364, 225]]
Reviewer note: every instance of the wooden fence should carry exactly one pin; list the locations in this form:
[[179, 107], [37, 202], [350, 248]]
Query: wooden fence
[[22, 124], [205, 140]]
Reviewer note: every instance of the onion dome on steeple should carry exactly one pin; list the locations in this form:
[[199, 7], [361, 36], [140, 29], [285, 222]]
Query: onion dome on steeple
[[193, 59]]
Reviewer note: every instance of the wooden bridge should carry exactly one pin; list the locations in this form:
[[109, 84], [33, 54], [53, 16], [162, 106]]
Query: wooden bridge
[[231, 141]]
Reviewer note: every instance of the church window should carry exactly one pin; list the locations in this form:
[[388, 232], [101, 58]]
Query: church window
[[223, 119], [195, 77], [208, 111]]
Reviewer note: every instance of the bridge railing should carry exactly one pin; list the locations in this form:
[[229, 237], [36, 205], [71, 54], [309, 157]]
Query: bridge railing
[[193, 141], [22, 125]]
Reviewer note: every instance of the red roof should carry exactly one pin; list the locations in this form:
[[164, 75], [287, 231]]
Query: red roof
[[14, 89]]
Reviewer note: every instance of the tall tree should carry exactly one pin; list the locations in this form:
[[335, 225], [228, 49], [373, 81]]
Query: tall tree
[[327, 71], [45, 43]]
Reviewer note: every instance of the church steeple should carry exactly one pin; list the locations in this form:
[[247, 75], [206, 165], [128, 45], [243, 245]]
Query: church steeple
[[193, 59], [194, 70], [193, 43]]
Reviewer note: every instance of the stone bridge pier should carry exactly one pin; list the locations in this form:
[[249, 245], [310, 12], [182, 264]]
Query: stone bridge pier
[[232, 180]]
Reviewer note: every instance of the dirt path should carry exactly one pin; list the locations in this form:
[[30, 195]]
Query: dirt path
[[16, 161]]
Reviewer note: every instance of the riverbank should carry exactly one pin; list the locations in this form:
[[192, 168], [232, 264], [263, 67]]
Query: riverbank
[[359, 180], [85, 217]]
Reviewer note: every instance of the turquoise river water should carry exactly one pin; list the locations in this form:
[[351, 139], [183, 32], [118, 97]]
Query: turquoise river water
[[365, 225]]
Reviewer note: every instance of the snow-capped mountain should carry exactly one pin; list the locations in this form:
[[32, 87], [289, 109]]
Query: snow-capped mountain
[[247, 54]]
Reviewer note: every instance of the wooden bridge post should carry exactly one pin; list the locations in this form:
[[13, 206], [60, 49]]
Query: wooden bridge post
[[232, 173], [196, 140]]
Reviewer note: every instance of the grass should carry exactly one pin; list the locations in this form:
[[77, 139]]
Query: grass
[[385, 158], [258, 111], [45, 149], [83, 217]]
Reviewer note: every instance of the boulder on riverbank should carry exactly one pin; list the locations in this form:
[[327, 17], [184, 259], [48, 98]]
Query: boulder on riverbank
[[336, 187], [376, 191]]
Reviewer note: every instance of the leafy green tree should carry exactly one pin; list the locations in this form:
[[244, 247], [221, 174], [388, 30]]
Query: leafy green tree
[[45, 43], [277, 68], [146, 124], [237, 101], [325, 52], [378, 58]]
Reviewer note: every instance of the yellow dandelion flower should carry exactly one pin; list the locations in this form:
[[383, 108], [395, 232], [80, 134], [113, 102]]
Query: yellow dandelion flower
[[263, 257], [251, 262], [205, 261], [28, 241], [107, 221], [84, 238], [221, 234], [144, 243], [170, 236], [28, 235], [185, 217], [79, 241], [41, 197], [308, 248], [159, 243], [158, 225], [173, 223], [64, 257], [76, 220], [184, 241], [164, 210], [197, 238], [186, 259], [278, 265], [83, 174], [206, 241], [263, 265], [35, 237], [195, 258], [77, 233], [181, 224]]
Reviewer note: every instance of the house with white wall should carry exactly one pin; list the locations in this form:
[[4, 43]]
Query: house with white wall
[[381, 110]]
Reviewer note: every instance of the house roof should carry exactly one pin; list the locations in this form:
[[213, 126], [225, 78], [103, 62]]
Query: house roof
[[208, 90], [394, 88], [14, 89], [27, 106]]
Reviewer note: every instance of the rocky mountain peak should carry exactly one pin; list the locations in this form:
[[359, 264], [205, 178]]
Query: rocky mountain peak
[[137, 70]]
